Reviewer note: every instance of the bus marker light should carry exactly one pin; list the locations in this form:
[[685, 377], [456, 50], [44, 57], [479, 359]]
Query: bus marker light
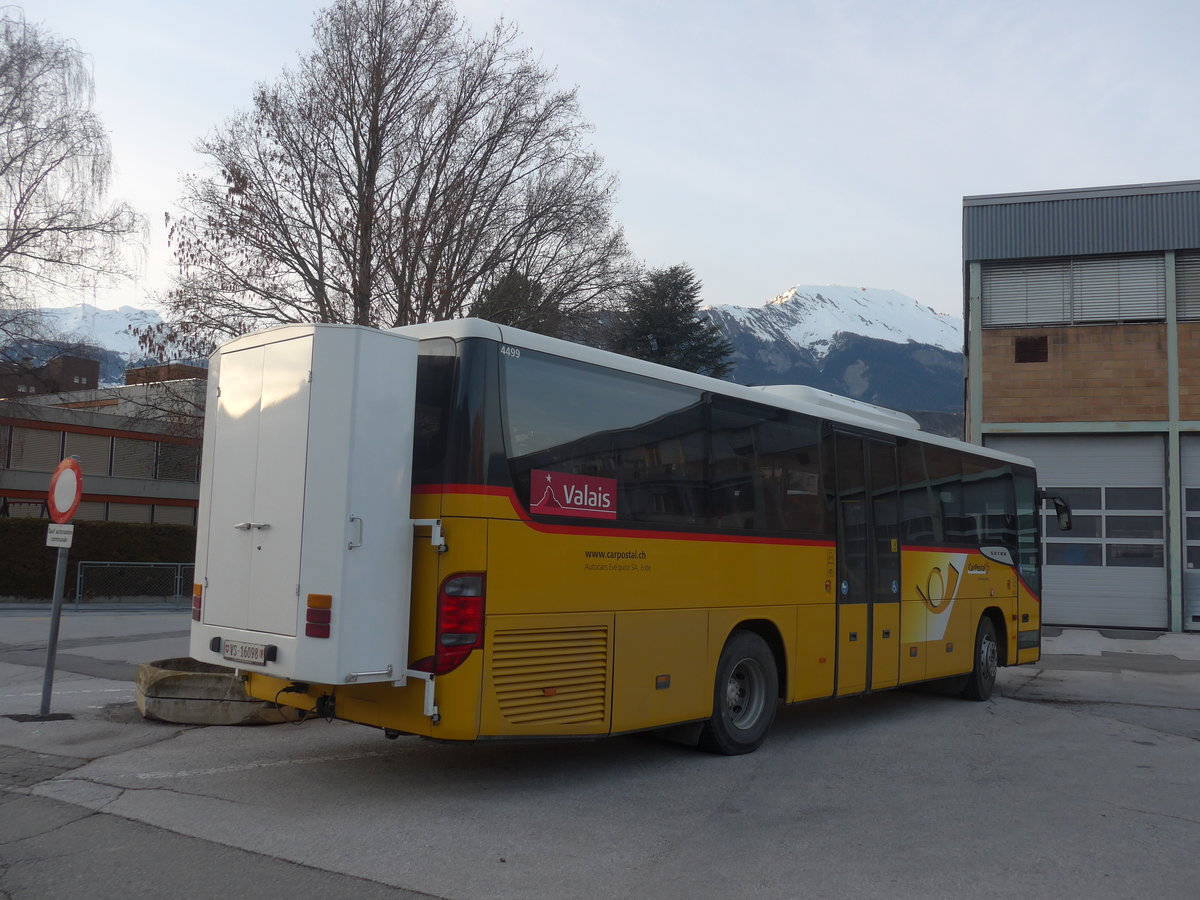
[[549, 692], [662, 682], [318, 616]]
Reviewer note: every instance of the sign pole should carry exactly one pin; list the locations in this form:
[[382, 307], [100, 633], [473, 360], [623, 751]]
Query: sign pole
[[60, 573], [66, 490]]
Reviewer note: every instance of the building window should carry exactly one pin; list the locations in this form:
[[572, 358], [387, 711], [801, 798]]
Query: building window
[[1074, 290], [1114, 527], [1187, 284], [35, 449], [1031, 349]]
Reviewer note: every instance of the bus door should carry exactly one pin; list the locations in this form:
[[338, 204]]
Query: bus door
[[868, 573]]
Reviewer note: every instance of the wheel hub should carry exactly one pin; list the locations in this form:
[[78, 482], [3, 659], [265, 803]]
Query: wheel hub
[[745, 694], [988, 657]]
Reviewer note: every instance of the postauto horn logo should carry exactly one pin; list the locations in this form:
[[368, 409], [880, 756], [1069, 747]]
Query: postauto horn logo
[[560, 494]]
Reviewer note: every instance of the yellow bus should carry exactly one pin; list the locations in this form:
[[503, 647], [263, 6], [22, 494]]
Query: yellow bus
[[465, 531]]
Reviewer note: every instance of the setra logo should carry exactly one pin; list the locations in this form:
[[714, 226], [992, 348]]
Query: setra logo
[[561, 494]]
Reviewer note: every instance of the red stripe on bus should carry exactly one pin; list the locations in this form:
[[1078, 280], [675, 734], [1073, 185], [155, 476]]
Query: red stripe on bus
[[510, 495]]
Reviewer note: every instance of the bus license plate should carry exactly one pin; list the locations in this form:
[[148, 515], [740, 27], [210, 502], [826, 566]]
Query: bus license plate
[[246, 654]]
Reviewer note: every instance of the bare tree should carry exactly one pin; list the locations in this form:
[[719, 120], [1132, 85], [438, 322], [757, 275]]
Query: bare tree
[[58, 231], [400, 170]]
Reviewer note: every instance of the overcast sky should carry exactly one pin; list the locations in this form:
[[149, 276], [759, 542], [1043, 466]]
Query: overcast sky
[[766, 144]]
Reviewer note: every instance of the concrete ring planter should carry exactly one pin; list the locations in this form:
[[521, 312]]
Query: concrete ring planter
[[188, 692]]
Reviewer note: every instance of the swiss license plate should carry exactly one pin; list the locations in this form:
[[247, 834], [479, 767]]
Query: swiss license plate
[[246, 654]]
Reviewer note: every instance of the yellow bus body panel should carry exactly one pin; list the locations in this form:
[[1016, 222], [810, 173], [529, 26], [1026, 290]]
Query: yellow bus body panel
[[816, 652], [885, 646], [590, 631], [661, 668]]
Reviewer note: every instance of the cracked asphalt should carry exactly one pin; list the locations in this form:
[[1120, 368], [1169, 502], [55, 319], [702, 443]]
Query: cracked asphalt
[[1081, 777]]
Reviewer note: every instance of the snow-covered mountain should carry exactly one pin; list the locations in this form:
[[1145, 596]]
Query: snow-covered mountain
[[107, 328], [101, 334], [875, 345], [811, 317]]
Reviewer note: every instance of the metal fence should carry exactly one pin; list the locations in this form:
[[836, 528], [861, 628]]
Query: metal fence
[[131, 583]]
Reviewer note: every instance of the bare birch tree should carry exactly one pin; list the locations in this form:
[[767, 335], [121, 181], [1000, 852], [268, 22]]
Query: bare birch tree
[[403, 167], [56, 229]]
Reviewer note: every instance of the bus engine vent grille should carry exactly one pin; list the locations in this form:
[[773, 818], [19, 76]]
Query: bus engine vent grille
[[551, 676]]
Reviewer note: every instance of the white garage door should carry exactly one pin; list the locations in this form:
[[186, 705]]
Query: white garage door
[[1190, 451], [1110, 569]]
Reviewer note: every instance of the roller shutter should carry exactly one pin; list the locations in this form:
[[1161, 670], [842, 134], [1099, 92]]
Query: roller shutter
[[1111, 570], [1078, 290], [1190, 478], [1187, 285]]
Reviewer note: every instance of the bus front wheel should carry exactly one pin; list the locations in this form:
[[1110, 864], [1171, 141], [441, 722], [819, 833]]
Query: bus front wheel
[[987, 654], [744, 696]]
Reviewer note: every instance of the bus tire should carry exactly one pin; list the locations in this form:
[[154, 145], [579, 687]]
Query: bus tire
[[745, 695], [983, 675]]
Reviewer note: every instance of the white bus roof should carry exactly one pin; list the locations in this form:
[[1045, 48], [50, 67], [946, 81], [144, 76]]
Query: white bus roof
[[797, 398]]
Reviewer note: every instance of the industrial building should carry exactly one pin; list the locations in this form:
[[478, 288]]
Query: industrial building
[[1082, 310]]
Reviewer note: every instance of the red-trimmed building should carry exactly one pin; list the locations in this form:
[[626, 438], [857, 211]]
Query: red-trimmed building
[[133, 471]]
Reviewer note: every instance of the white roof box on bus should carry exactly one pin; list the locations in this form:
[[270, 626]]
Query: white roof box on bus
[[802, 393]]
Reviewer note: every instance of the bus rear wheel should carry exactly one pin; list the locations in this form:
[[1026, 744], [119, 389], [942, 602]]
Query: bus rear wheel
[[744, 696], [987, 656]]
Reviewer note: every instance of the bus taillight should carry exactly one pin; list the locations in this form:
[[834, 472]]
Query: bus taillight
[[197, 601], [459, 623]]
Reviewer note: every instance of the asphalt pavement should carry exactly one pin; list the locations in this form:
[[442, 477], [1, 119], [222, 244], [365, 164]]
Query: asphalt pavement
[[62, 836]]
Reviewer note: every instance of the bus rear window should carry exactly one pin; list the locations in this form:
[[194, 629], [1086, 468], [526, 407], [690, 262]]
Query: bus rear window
[[436, 363]]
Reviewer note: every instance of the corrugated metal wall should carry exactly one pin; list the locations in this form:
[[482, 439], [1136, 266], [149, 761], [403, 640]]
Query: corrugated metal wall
[[1018, 228]]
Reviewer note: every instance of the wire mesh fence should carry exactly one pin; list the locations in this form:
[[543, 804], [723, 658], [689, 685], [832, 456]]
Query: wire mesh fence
[[133, 583]]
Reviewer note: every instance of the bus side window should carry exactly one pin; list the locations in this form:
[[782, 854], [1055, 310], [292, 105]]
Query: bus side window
[[987, 490], [919, 511], [945, 481], [789, 467]]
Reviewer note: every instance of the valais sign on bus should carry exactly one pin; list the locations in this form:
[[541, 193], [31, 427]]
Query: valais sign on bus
[[560, 494]]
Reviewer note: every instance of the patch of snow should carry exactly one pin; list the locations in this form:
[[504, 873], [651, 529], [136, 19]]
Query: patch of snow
[[810, 316]]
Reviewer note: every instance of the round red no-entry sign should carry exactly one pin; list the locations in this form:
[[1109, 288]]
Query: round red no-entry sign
[[66, 487]]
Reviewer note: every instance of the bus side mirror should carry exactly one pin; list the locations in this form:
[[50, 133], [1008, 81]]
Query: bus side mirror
[[1062, 509]]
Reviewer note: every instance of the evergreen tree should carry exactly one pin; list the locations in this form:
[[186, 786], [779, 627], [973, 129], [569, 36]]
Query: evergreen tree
[[519, 301], [661, 322]]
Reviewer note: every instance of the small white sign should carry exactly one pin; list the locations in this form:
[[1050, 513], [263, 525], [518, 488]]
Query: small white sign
[[59, 535]]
